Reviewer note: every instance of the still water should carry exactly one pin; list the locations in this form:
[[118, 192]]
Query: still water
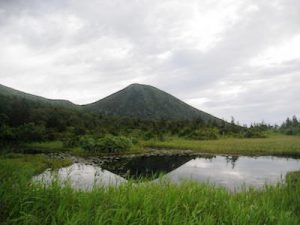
[[229, 171], [81, 176]]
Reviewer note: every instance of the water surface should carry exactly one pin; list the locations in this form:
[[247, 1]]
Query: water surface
[[81, 176], [235, 172], [229, 171]]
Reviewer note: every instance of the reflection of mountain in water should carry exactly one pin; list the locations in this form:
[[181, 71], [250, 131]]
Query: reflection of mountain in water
[[230, 171], [80, 176], [146, 166]]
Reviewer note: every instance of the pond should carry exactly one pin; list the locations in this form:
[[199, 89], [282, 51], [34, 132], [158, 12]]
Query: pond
[[231, 172]]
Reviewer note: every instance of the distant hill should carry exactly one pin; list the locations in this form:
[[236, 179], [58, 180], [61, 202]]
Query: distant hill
[[147, 102], [136, 100], [10, 92]]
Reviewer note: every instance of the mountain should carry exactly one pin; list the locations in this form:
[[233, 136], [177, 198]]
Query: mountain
[[12, 93], [136, 100], [147, 102]]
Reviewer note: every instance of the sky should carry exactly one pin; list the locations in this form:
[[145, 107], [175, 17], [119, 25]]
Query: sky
[[226, 57]]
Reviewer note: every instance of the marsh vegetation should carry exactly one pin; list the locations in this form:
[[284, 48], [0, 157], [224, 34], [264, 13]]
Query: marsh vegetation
[[23, 202]]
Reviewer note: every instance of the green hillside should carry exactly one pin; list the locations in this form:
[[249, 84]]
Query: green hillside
[[147, 102], [10, 92], [136, 101]]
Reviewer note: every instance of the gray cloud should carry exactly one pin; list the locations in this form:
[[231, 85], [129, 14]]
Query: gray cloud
[[238, 58]]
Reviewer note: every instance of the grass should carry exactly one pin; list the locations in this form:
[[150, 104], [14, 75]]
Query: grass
[[49, 146], [274, 145], [57, 146], [278, 145], [32, 164], [21, 202]]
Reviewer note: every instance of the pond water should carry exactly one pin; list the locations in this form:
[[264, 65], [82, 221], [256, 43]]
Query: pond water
[[81, 176], [231, 172]]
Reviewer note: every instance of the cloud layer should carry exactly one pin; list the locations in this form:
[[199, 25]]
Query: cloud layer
[[226, 57]]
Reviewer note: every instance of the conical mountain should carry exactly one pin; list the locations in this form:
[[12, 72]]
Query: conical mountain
[[136, 101], [147, 102]]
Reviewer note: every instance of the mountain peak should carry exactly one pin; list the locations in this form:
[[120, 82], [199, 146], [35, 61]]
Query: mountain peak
[[146, 102], [137, 85]]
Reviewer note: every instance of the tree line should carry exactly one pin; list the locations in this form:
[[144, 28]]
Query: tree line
[[23, 120]]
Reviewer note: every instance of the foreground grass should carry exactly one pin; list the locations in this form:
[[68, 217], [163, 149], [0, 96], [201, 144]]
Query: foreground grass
[[274, 145], [162, 203]]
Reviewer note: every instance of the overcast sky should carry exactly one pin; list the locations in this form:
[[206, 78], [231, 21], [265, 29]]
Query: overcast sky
[[226, 57]]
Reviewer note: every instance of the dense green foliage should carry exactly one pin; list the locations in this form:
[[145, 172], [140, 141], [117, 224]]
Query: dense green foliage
[[48, 122], [24, 133], [204, 134], [28, 118], [24, 203], [291, 126], [106, 144]]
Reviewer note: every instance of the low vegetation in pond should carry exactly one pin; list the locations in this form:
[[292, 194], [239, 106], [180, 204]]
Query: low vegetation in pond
[[188, 203]]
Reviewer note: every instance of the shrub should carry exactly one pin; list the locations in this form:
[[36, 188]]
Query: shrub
[[250, 133], [186, 132], [70, 138], [107, 144], [87, 143], [148, 135], [71, 141], [292, 131], [31, 133], [8, 134], [205, 134]]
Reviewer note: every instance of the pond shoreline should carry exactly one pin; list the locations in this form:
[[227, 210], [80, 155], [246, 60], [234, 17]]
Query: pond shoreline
[[97, 159], [231, 172], [150, 152], [93, 159]]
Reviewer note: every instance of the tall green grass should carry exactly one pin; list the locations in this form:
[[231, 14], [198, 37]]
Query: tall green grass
[[274, 145], [146, 203]]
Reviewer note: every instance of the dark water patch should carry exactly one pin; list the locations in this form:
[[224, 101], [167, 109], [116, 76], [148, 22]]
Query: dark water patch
[[146, 166]]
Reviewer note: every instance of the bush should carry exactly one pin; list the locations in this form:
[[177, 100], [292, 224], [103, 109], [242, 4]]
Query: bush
[[250, 133], [148, 135], [71, 141], [70, 138], [107, 144], [26, 133], [8, 134], [292, 131], [205, 134], [87, 143], [186, 132], [31, 133]]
